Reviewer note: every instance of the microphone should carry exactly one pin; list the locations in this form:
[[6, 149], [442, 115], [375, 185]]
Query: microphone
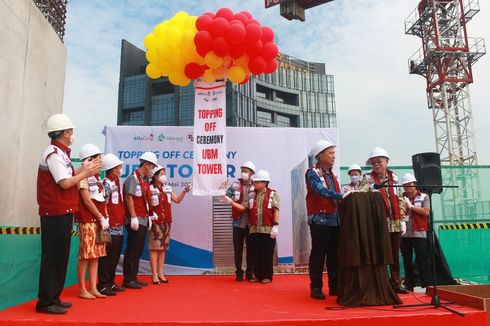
[[382, 184]]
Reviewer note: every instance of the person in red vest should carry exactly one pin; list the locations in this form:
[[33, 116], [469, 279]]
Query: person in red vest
[[161, 198], [385, 181], [323, 194], [415, 237], [264, 226], [136, 190], [112, 166], [92, 212], [57, 197], [239, 193]]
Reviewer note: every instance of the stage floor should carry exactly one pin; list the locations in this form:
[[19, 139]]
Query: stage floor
[[215, 300]]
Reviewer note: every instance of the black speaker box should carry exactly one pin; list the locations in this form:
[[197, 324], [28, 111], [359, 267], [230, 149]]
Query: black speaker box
[[427, 168]]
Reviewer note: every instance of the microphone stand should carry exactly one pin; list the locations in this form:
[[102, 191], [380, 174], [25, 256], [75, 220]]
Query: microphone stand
[[435, 300]]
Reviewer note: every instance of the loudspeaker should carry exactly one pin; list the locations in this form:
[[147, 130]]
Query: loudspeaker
[[427, 168]]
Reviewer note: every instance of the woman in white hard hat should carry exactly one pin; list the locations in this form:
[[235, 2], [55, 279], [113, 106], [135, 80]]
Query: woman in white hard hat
[[136, 191], [57, 196], [386, 181], [239, 192], [323, 193], [355, 174], [264, 226], [415, 237], [112, 166], [161, 198], [93, 211]]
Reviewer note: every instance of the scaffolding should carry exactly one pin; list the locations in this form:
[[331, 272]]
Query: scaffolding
[[55, 13], [445, 60]]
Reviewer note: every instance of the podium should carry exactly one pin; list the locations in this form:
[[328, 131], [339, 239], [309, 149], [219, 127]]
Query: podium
[[364, 253]]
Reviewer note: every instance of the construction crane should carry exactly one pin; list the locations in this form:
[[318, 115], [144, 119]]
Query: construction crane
[[294, 9], [445, 60]]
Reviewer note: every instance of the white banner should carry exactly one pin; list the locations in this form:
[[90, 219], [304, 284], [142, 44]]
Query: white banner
[[209, 162]]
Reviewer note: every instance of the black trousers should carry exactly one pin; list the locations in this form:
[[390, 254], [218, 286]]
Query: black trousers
[[263, 255], [134, 249], [419, 246], [324, 245], [396, 279], [55, 253], [108, 264], [241, 236]]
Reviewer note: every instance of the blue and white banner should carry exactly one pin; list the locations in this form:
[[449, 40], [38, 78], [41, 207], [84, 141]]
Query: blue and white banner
[[284, 152]]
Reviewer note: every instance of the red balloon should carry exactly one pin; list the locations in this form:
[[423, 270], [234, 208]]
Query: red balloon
[[203, 23], [247, 14], [270, 50], [193, 70], [267, 34], [203, 41], [252, 21], [257, 65], [254, 33], [237, 22], [255, 49], [237, 51], [241, 17], [219, 27], [221, 46], [210, 14], [271, 66], [245, 80], [236, 34], [226, 13]]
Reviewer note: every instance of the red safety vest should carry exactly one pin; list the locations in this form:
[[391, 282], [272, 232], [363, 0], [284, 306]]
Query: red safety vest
[[84, 215], [419, 222], [235, 212], [115, 206], [317, 204], [52, 199], [394, 212], [140, 202], [267, 209]]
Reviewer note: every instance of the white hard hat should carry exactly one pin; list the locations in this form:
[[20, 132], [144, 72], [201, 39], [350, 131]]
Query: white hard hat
[[262, 175], [88, 150], [58, 122], [110, 161], [377, 152], [320, 146], [408, 178], [249, 165], [149, 157], [157, 168], [354, 167]]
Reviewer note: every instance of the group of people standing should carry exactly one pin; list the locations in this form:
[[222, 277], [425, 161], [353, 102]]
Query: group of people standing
[[142, 206], [406, 217]]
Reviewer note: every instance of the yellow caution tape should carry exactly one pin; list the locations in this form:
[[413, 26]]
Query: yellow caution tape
[[465, 226], [26, 230]]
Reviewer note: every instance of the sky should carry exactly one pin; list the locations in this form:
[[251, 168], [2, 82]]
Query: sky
[[362, 43]]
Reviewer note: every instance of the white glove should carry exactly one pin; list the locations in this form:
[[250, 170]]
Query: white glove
[[225, 199], [408, 203], [274, 231], [104, 222], [154, 217], [134, 224], [346, 194], [150, 223], [403, 225]]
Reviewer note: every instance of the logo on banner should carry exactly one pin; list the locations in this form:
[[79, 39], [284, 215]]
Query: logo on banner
[[144, 138], [190, 138], [162, 138]]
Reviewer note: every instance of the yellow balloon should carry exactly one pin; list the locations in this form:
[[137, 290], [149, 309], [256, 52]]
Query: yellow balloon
[[180, 18], [236, 74], [160, 29], [152, 71], [178, 78], [190, 23], [149, 41], [218, 73], [164, 65], [173, 35], [208, 76], [212, 60], [178, 62], [151, 55], [164, 50]]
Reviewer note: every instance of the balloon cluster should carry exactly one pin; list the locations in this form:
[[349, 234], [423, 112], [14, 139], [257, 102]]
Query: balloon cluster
[[212, 46]]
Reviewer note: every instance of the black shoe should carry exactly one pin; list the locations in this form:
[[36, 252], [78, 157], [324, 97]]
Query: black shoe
[[239, 278], [249, 277], [116, 288], [332, 293], [64, 304], [317, 294], [52, 309], [132, 285], [402, 290], [142, 283], [108, 292]]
